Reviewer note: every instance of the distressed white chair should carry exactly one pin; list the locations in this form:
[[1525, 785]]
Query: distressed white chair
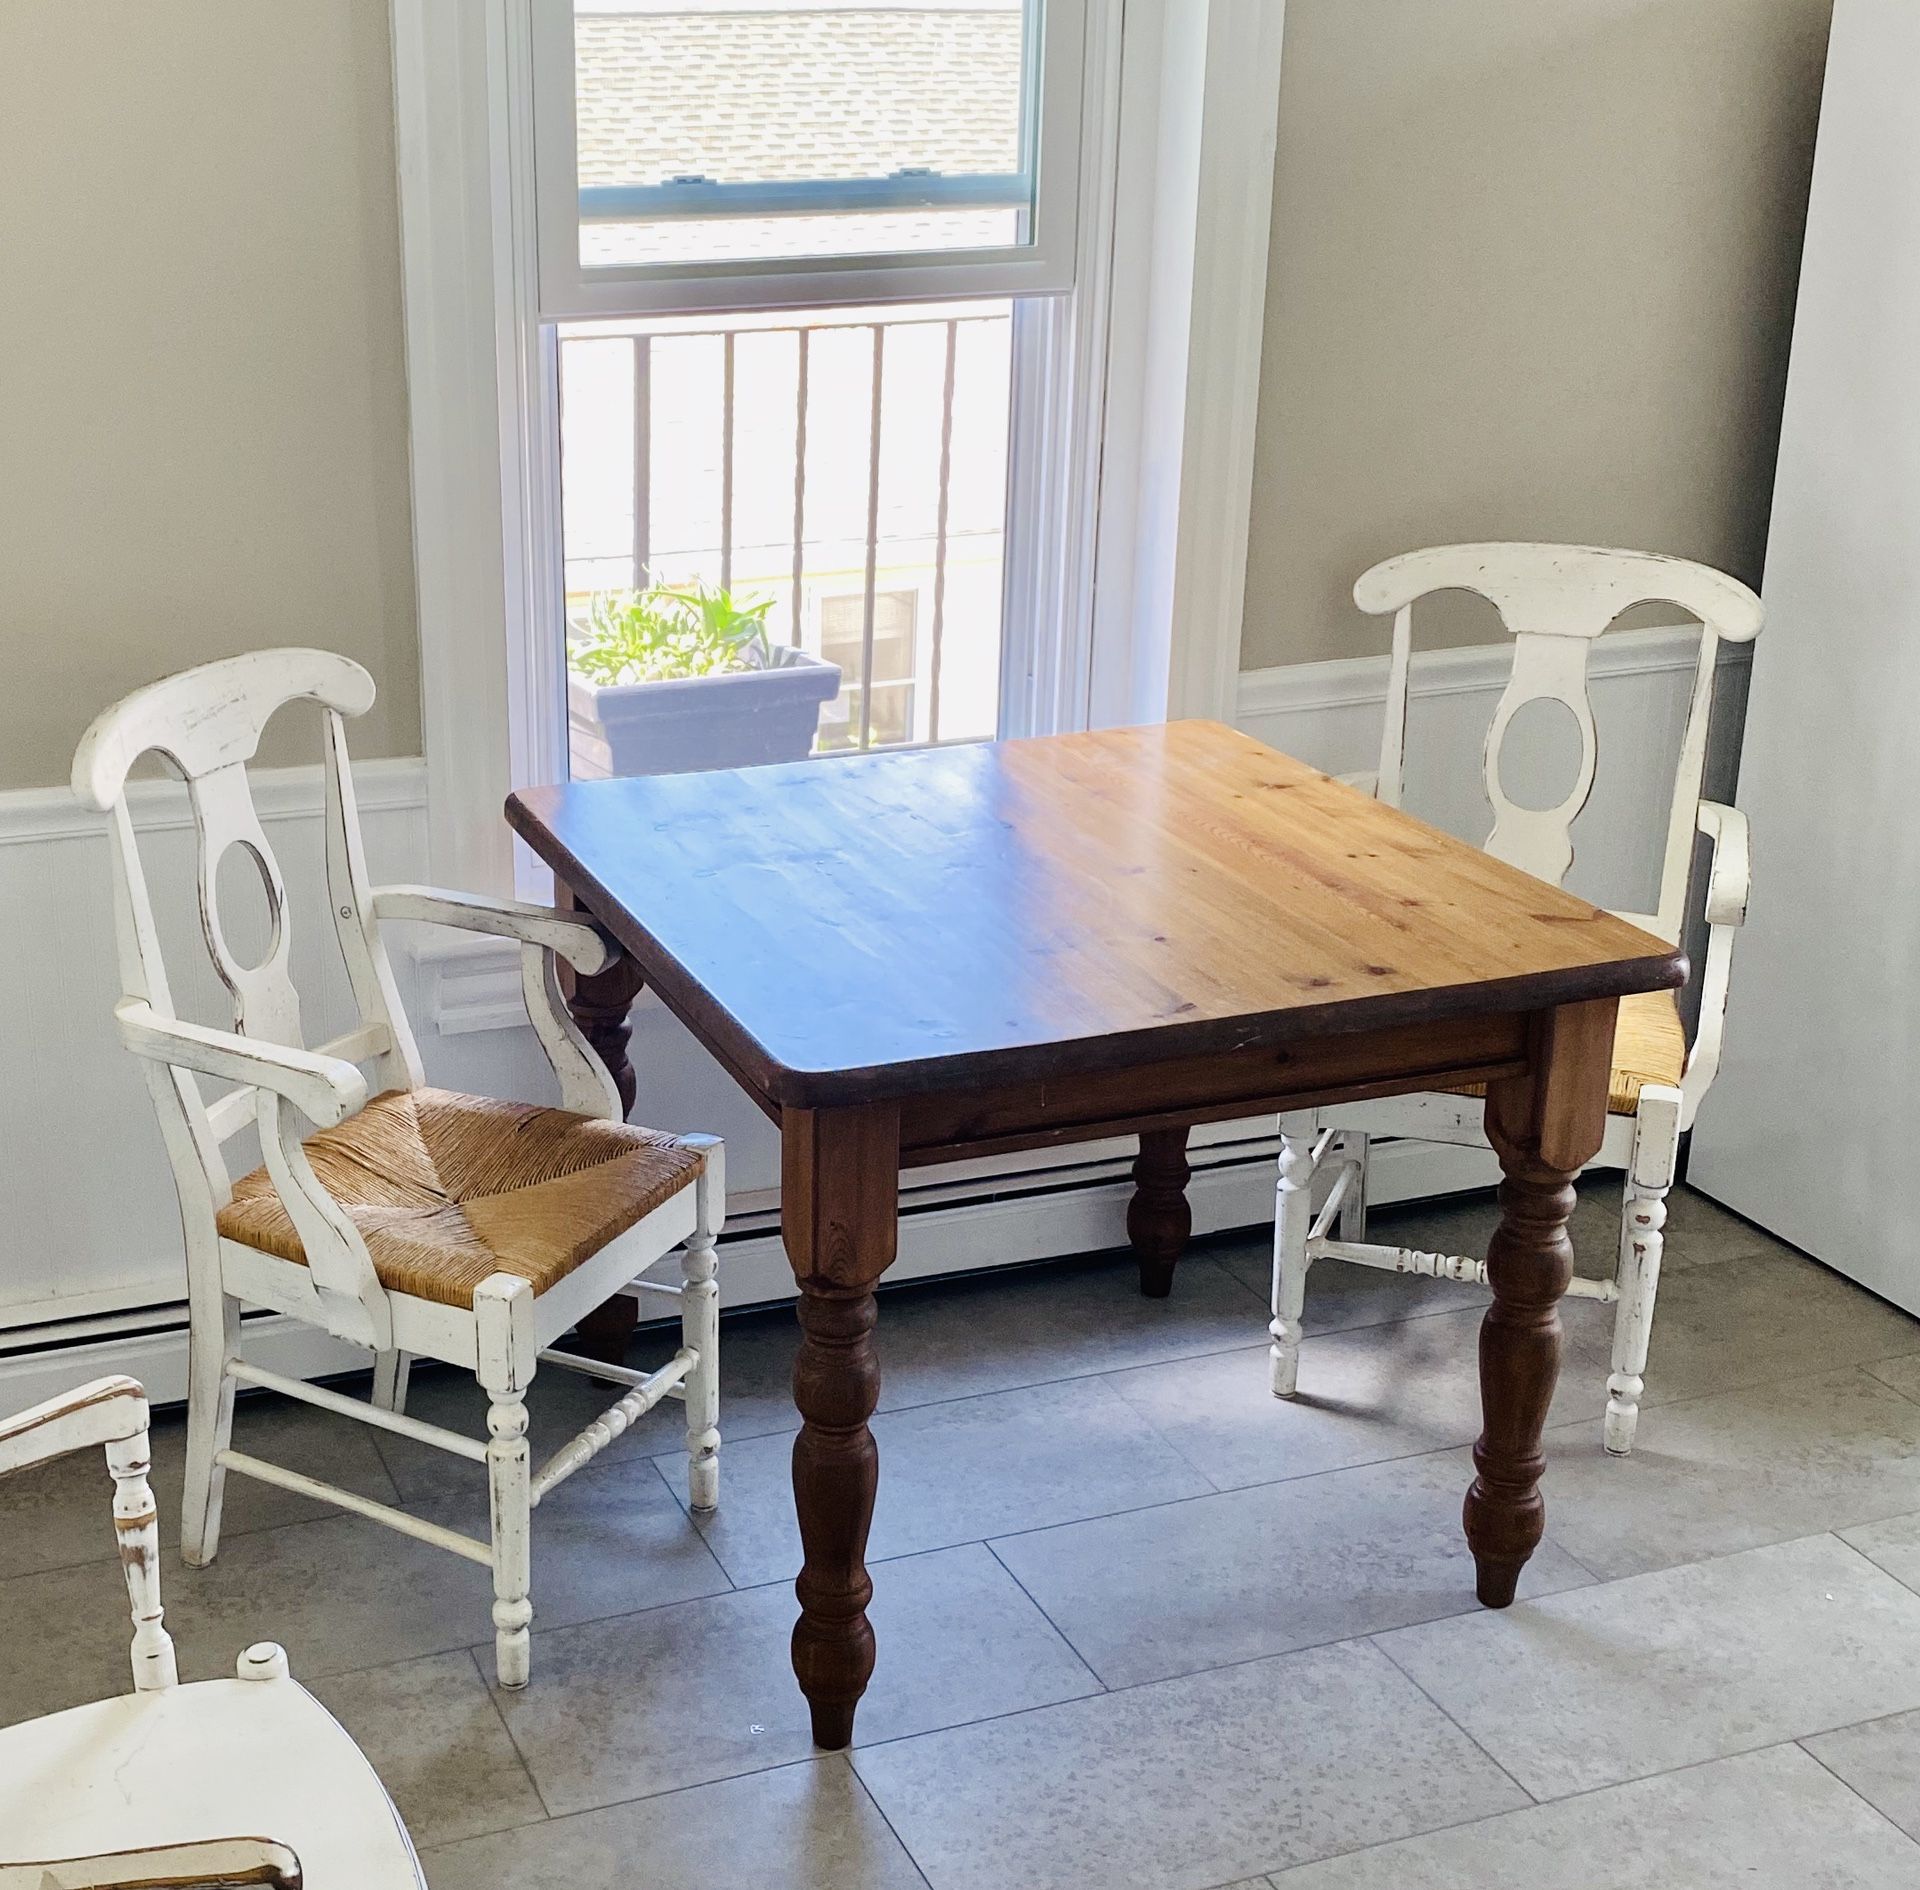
[[415, 1222], [1555, 600], [248, 1780]]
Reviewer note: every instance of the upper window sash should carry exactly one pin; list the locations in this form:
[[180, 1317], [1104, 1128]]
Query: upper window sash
[[1038, 197]]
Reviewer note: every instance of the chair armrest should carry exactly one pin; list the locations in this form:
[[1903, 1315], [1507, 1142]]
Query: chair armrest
[[1731, 877], [326, 1089], [580, 942], [201, 1861], [108, 1411]]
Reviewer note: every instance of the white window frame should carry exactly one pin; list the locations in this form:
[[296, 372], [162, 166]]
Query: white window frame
[[1131, 447], [1049, 180]]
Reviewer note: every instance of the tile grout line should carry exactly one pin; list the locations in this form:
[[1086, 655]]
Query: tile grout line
[[1594, 1791], [1475, 1610], [880, 1811], [1912, 1397], [1800, 1745], [1878, 1567], [1066, 1638], [1373, 1641], [513, 1744], [593, 1811]]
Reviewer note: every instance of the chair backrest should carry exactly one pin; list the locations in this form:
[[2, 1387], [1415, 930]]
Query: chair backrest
[[110, 1412], [206, 722], [1556, 600]]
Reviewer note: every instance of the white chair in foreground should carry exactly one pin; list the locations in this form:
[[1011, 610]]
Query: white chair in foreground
[[1556, 600], [416, 1222], [248, 1780]]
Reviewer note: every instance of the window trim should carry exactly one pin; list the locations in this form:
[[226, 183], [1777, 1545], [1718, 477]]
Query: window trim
[[1162, 366]]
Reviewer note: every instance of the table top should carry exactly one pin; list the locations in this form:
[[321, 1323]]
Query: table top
[[852, 930]]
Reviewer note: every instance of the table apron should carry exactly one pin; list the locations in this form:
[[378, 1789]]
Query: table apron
[[1345, 1067]]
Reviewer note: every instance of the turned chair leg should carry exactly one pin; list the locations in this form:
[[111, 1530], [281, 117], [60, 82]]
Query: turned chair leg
[[503, 1309], [1293, 1217], [1656, 1149], [391, 1371], [213, 1338], [700, 1334], [137, 1525]]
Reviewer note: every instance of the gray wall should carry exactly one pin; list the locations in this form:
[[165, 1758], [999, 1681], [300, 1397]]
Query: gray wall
[[203, 439], [1532, 276]]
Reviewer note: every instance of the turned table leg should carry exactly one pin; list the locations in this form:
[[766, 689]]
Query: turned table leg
[[601, 1006], [1159, 1218], [839, 1208], [1545, 1126]]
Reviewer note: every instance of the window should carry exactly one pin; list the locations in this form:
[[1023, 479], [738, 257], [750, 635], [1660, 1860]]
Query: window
[[827, 481], [1129, 303]]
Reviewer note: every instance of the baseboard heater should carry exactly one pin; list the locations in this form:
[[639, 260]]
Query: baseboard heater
[[949, 1224]]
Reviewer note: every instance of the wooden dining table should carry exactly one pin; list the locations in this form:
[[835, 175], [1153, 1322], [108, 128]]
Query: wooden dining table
[[947, 953]]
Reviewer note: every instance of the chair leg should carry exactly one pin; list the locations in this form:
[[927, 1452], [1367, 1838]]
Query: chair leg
[[700, 1335], [509, 1481], [503, 1311], [1293, 1217], [391, 1371], [1656, 1149], [1352, 1149], [213, 1337]]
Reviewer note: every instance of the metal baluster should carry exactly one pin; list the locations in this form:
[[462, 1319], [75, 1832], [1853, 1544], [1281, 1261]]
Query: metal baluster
[[642, 458], [940, 530], [873, 540], [726, 460], [799, 480]]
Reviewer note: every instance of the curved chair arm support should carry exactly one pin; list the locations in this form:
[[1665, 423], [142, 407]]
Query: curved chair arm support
[[582, 944], [545, 934], [586, 1085], [1729, 881], [325, 1089], [108, 1411], [352, 1300]]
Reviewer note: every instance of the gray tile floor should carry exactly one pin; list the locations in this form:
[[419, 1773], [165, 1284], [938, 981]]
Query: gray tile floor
[[1139, 1624]]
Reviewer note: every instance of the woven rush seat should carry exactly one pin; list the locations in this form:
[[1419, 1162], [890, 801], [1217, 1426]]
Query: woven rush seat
[[1649, 1046], [446, 1189]]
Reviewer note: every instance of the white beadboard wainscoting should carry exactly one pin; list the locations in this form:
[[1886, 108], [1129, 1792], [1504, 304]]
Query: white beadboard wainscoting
[[90, 1267]]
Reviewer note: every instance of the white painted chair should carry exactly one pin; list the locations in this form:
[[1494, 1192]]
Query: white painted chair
[[248, 1780], [1556, 600], [416, 1222]]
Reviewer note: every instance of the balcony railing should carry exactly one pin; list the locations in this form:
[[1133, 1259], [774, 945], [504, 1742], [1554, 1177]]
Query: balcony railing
[[829, 463]]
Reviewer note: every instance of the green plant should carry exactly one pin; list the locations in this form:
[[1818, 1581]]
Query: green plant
[[662, 633]]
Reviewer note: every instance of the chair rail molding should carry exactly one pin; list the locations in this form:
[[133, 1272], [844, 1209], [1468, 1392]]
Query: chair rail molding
[[392, 785]]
